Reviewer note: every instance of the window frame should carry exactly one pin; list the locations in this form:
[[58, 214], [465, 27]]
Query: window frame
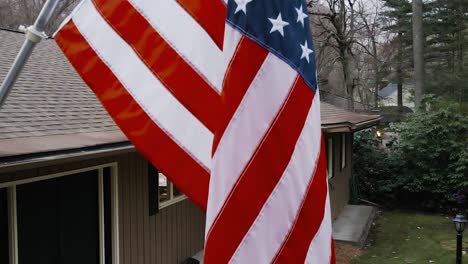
[[4, 225], [330, 145], [172, 199], [344, 148], [12, 209]]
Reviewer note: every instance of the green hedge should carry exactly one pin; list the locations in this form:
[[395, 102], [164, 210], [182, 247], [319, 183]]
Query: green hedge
[[426, 164]]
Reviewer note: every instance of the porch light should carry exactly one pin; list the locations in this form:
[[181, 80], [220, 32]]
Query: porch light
[[378, 133]]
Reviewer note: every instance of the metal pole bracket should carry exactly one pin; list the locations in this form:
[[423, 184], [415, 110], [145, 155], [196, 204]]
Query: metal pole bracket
[[32, 34]]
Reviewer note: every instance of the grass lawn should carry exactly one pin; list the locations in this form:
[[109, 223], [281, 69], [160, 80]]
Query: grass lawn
[[402, 237]]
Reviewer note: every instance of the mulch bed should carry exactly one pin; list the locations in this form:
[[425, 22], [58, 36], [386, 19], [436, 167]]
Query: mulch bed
[[344, 253]]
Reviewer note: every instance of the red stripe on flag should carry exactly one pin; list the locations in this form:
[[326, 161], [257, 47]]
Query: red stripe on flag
[[243, 68], [309, 218], [166, 64], [332, 257], [147, 137], [260, 177], [210, 14]]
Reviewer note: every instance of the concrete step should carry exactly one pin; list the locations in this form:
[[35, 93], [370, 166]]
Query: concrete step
[[353, 224]]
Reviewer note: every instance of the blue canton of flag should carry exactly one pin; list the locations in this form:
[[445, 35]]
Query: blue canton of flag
[[280, 26]]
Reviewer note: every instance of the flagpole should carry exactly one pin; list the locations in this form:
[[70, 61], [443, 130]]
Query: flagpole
[[34, 34]]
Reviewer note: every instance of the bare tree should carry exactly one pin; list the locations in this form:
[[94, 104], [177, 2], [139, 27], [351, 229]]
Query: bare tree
[[337, 29], [370, 27], [350, 37], [14, 13]]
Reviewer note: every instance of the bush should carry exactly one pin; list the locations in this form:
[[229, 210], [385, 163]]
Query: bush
[[426, 165], [373, 170]]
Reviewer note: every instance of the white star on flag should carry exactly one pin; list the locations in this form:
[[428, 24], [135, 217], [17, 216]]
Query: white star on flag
[[242, 5], [306, 51], [278, 24], [300, 15]]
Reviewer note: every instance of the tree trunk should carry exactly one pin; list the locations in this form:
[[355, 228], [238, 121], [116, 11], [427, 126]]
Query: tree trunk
[[400, 70], [345, 51], [361, 98], [348, 79], [418, 49], [461, 36], [375, 66], [461, 44]]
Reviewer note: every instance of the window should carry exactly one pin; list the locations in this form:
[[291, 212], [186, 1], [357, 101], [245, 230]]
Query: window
[[4, 238], [161, 192], [330, 159], [343, 151], [68, 217], [65, 229], [168, 192]]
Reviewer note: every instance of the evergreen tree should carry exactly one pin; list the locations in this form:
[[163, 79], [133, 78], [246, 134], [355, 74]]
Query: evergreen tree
[[445, 27], [398, 14]]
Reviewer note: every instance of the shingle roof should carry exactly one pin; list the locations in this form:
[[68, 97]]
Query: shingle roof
[[388, 90], [340, 120], [49, 99], [50, 108]]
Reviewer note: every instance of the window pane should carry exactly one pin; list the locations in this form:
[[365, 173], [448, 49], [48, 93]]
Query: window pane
[[163, 188], [176, 191], [58, 220], [4, 248], [107, 215]]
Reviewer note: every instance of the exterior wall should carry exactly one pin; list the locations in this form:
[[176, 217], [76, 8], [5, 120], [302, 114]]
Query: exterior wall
[[171, 236], [177, 231], [339, 185]]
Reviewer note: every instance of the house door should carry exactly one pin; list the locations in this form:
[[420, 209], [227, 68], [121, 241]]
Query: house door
[[58, 220]]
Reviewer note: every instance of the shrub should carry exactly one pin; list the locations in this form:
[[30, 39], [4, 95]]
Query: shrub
[[374, 170], [426, 165], [433, 146]]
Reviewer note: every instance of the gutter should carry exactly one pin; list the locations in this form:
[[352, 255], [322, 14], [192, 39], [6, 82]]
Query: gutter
[[29, 161], [347, 127], [367, 124]]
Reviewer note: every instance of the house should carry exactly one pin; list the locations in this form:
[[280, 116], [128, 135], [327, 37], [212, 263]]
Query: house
[[74, 190], [389, 95], [338, 126]]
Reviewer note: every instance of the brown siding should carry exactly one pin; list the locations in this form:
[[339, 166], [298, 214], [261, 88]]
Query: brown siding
[[171, 236], [177, 231], [339, 185]]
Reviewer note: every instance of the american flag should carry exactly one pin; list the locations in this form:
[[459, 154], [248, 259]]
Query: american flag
[[222, 98]]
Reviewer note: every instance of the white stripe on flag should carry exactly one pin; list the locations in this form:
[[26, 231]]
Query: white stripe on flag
[[232, 38], [186, 36], [320, 247], [253, 118], [163, 108], [280, 210]]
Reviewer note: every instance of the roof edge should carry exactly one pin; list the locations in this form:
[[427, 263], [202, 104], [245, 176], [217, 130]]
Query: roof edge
[[28, 161], [11, 147], [11, 30], [344, 127]]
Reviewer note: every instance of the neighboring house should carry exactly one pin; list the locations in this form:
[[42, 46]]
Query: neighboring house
[[74, 190], [393, 114], [389, 95]]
